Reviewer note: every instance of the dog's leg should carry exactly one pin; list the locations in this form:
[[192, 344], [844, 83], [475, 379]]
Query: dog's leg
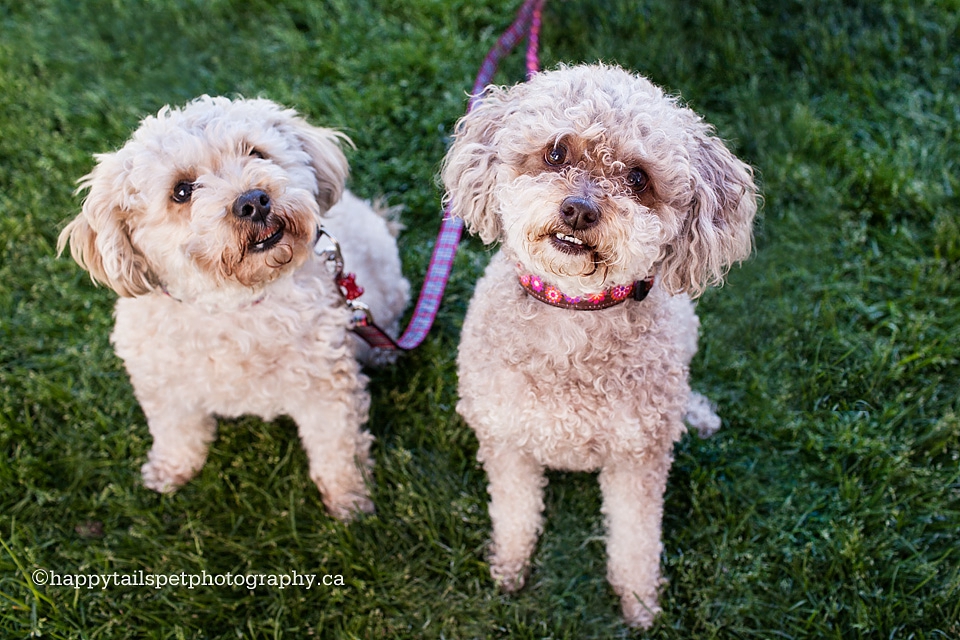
[[338, 451], [633, 506], [516, 512], [181, 438]]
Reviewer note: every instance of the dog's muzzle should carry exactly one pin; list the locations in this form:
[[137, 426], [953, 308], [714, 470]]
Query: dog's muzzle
[[252, 205], [580, 213], [265, 230]]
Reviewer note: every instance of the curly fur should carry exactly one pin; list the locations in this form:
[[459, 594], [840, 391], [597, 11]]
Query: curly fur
[[545, 387], [222, 314]]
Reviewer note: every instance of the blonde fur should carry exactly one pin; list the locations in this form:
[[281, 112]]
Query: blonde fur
[[545, 387], [223, 314]]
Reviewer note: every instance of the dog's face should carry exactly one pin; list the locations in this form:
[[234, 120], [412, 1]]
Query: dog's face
[[592, 177], [220, 195]]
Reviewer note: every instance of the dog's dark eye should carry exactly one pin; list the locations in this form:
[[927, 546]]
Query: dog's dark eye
[[182, 192], [556, 156], [638, 180], [256, 153]]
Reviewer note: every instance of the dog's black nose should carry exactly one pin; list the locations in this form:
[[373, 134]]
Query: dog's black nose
[[579, 213], [253, 204]]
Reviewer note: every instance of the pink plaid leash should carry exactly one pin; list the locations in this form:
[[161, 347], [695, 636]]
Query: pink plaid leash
[[527, 23]]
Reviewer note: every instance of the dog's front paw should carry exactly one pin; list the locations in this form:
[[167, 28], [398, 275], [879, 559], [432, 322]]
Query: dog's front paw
[[164, 476], [347, 506], [639, 612], [510, 576]]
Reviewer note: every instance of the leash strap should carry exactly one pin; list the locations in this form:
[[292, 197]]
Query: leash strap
[[527, 22], [533, 42]]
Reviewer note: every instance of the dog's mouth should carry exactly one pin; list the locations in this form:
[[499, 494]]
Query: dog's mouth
[[268, 236], [570, 245]]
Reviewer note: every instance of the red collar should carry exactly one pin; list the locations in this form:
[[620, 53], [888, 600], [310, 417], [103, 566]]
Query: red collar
[[548, 294]]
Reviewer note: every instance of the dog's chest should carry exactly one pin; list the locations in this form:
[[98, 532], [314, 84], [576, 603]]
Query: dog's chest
[[246, 360], [576, 387], [593, 367]]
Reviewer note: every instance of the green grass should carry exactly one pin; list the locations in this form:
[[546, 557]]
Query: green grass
[[827, 507]]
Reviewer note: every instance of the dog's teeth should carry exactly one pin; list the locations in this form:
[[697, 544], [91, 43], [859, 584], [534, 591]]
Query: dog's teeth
[[571, 239]]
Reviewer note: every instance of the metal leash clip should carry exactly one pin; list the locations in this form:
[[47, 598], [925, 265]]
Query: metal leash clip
[[361, 321], [331, 255], [346, 283]]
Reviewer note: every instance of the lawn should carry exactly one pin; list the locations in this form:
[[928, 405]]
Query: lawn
[[828, 506]]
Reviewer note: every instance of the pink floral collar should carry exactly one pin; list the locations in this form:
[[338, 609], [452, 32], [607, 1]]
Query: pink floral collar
[[537, 288]]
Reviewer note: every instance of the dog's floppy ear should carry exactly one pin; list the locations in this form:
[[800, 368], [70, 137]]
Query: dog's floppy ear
[[718, 229], [327, 159], [470, 167], [99, 236]]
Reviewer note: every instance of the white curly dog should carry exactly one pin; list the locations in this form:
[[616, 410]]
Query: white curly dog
[[204, 223], [613, 205]]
